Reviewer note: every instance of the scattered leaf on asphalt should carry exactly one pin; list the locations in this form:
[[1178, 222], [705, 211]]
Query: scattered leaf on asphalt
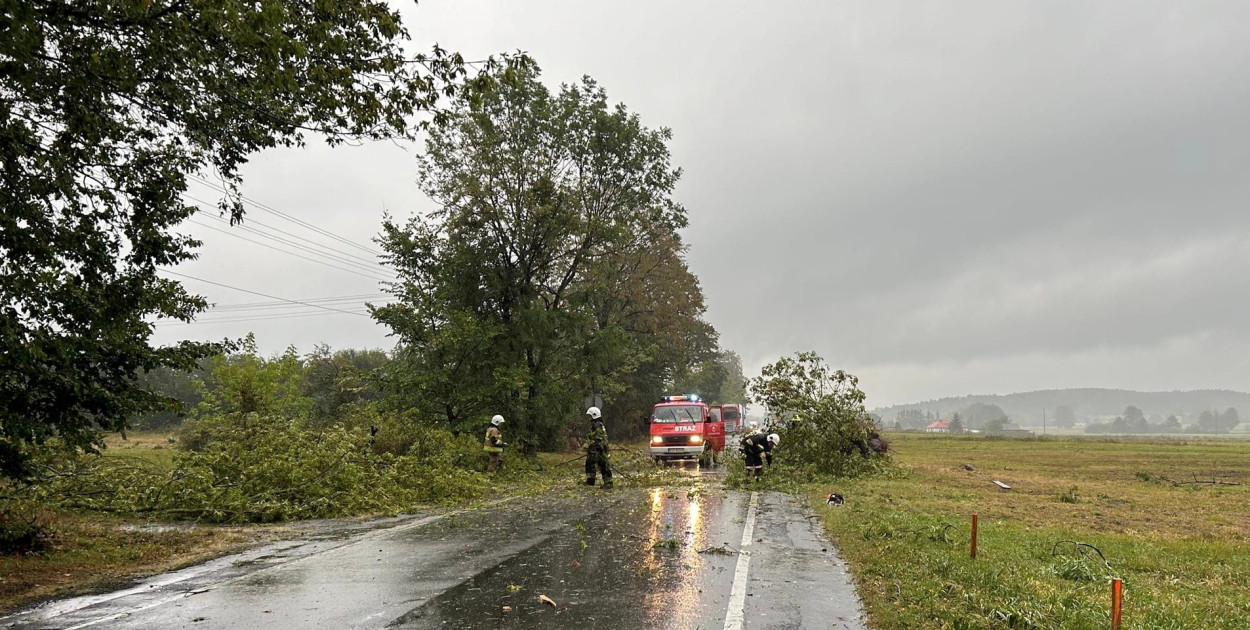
[[547, 600]]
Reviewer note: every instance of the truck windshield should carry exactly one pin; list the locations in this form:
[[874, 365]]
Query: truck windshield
[[681, 413], [730, 413]]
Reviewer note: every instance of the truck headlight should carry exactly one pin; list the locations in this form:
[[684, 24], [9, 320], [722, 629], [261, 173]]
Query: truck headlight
[[696, 439], [655, 439]]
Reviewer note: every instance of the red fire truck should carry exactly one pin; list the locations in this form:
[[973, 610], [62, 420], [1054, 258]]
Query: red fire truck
[[683, 428], [732, 415]]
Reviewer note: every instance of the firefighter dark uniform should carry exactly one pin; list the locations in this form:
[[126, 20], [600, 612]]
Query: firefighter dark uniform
[[756, 448], [493, 444], [597, 455]]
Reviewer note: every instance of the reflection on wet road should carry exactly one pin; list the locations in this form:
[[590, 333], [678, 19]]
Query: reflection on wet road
[[633, 558], [635, 566]]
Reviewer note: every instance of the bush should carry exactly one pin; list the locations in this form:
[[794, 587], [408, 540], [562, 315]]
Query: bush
[[22, 530], [252, 468]]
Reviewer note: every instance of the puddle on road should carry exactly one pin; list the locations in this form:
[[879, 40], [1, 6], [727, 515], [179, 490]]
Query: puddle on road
[[634, 565]]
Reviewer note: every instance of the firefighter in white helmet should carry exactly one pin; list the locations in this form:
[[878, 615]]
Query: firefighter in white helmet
[[493, 444], [756, 448], [597, 450]]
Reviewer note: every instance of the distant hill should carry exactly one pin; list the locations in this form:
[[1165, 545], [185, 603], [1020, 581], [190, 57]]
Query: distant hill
[[1089, 404]]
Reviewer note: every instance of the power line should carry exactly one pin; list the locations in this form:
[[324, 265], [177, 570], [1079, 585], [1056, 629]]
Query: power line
[[286, 216], [261, 318], [255, 306], [283, 308], [365, 266], [266, 245], [328, 298], [248, 226], [264, 295]]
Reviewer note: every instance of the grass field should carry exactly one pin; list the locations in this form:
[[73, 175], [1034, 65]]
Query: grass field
[[1183, 551]]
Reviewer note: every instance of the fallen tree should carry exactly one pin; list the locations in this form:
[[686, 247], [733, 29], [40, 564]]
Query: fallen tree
[[819, 414]]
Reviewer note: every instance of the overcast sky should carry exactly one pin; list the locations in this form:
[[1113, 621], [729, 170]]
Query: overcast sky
[[942, 197]]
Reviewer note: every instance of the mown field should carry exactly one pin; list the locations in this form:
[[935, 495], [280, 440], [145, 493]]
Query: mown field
[[1183, 551]]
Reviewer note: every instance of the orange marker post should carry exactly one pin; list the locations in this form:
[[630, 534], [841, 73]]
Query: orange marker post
[[973, 548], [1117, 602]]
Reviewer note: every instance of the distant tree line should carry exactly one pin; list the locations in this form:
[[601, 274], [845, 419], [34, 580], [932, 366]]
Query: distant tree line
[[321, 386], [1133, 420], [990, 418], [978, 416]]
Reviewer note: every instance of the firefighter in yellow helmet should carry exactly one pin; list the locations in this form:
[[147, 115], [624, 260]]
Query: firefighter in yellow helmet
[[493, 444]]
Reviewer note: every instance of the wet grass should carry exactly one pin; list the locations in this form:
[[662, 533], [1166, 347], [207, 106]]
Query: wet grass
[[154, 448], [1183, 551]]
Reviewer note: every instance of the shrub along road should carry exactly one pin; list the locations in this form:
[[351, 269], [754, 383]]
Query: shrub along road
[[689, 555]]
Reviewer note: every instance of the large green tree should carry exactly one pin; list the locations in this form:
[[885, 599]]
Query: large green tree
[[106, 108], [552, 268], [979, 414], [648, 328], [718, 379]]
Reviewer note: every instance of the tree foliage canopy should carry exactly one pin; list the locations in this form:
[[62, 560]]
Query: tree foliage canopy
[[106, 108], [552, 269], [717, 380]]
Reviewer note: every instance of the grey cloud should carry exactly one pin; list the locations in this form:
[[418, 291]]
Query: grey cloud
[[948, 197]]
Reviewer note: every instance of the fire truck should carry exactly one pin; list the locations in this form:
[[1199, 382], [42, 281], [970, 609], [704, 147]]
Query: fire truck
[[732, 415], [682, 427]]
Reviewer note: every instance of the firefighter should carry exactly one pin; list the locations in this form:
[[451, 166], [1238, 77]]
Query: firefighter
[[597, 450], [493, 444], [755, 448]]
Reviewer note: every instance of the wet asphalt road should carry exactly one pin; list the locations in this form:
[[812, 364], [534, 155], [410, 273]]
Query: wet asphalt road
[[674, 557]]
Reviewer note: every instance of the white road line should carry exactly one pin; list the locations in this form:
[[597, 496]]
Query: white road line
[[734, 617]]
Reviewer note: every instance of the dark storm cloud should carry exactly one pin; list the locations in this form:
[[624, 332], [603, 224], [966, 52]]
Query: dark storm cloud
[[945, 196]]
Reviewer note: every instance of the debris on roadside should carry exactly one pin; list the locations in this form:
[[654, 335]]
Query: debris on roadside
[[835, 499], [722, 550], [1001, 485], [547, 600]]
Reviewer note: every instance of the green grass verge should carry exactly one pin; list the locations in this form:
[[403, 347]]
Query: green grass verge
[[1182, 551]]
